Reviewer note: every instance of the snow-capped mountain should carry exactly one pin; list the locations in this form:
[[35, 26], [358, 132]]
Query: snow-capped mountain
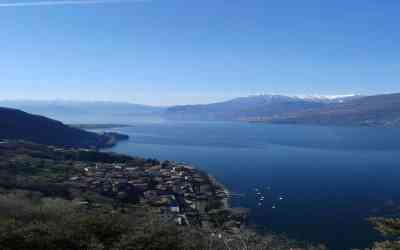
[[376, 110], [254, 106], [316, 98], [329, 98]]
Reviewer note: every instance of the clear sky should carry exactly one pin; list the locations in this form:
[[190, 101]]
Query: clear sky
[[166, 52]]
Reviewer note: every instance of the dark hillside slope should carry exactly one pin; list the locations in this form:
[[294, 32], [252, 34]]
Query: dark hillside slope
[[378, 110], [18, 125], [84, 111]]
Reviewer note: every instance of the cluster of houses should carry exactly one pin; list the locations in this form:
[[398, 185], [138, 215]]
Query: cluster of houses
[[179, 192]]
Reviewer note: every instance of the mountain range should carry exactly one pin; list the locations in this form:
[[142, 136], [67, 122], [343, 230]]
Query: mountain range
[[255, 107], [374, 110], [349, 110], [377, 110]]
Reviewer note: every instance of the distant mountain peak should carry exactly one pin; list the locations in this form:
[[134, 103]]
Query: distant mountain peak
[[308, 98], [328, 97], [318, 97], [261, 105]]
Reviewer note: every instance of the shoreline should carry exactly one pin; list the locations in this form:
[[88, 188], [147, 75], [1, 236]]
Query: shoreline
[[221, 215], [88, 126], [224, 192]]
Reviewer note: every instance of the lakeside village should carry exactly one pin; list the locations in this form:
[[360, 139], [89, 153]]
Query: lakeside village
[[178, 192]]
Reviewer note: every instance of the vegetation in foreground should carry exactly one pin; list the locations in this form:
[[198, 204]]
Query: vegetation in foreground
[[29, 220]]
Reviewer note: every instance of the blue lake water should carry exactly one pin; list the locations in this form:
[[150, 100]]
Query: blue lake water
[[330, 178]]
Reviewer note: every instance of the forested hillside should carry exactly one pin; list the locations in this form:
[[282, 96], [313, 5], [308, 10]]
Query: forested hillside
[[18, 125]]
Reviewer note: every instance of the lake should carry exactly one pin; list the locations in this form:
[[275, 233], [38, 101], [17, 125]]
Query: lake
[[319, 183]]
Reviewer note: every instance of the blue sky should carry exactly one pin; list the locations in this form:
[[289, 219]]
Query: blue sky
[[166, 52]]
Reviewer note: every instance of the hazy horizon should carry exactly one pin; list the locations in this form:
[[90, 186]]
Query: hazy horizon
[[178, 104]]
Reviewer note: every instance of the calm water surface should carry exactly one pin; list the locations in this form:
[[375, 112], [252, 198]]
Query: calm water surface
[[322, 181]]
